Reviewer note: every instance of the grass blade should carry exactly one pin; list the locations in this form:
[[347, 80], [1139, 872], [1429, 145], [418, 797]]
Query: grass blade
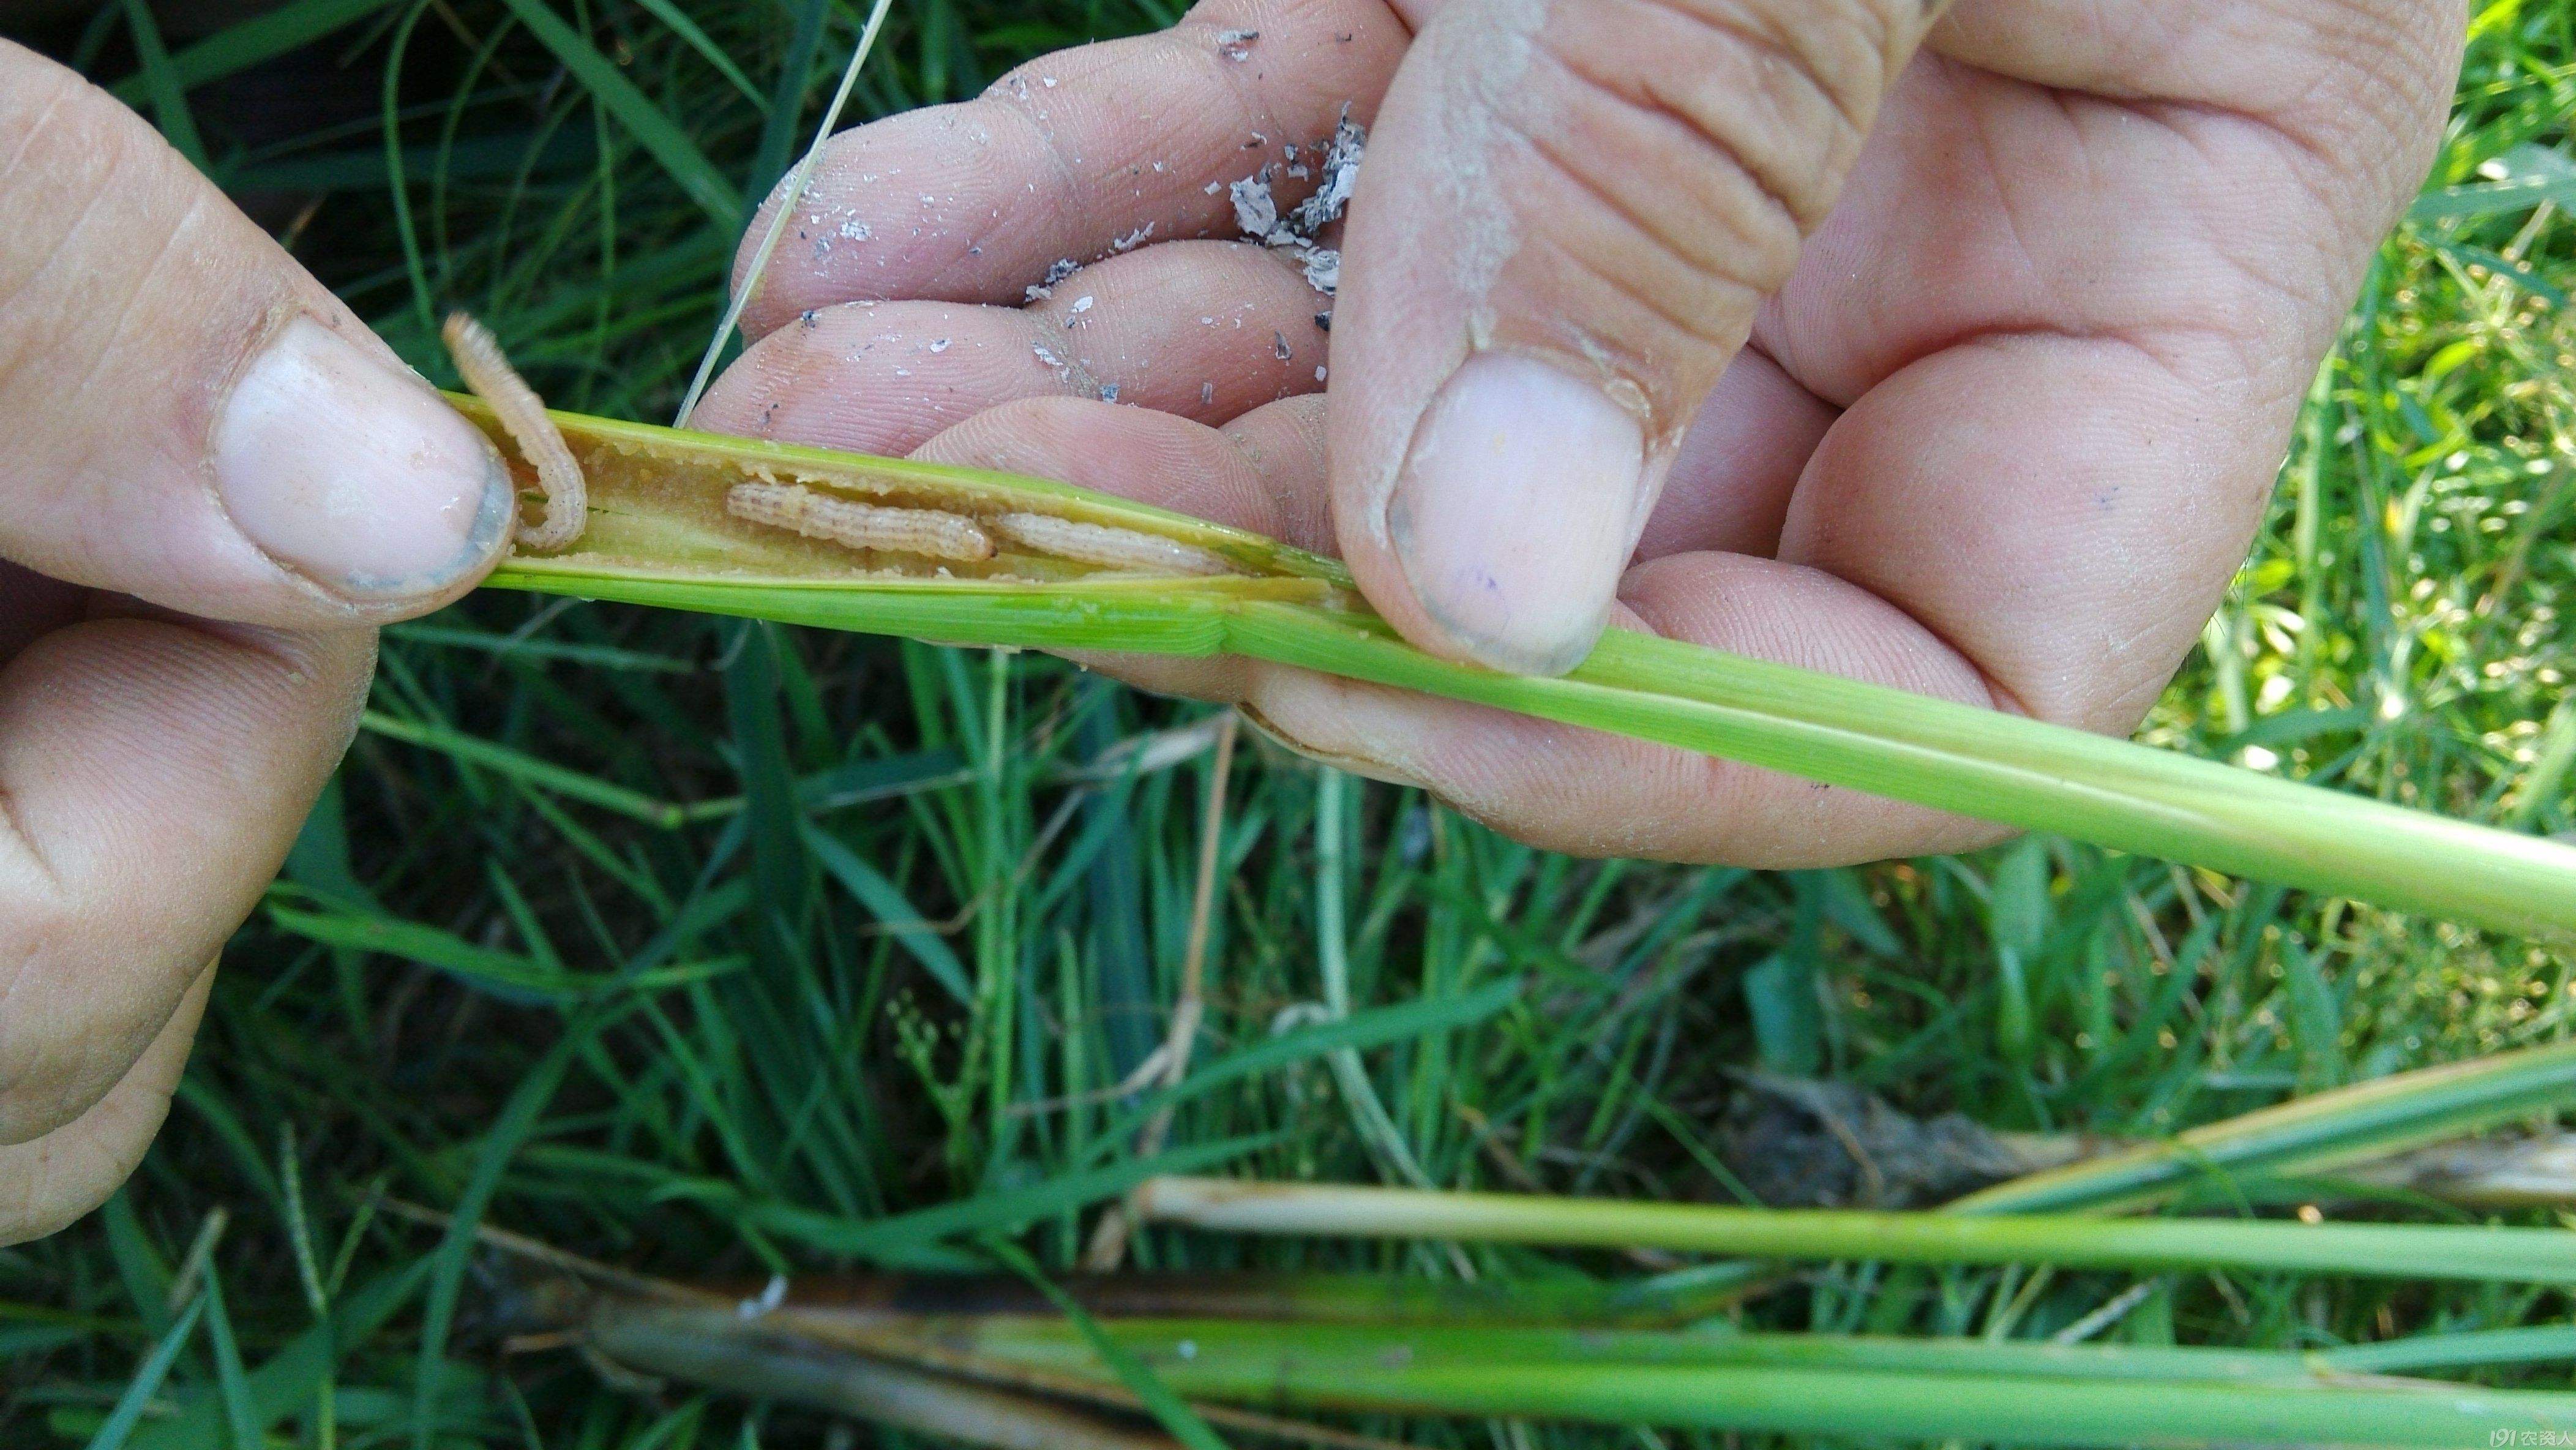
[[246, 43], [654, 131], [2347, 1125], [147, 1380], [2495, 1255], [161, 82]]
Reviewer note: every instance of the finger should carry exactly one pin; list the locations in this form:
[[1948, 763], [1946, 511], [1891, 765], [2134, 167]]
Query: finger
[[2029, 499], [193, 420], [1142, 329], [2076, 328], [1072, 155], [1738, 465], [152, 775], [47, 1184], [2243, 60], [1569, 216]]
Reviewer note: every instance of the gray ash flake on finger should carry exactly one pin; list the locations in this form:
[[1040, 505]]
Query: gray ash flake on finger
[[1341, 168], [1256, 207], [1236, 44], [1057, 271], [1136, 238], [1081, 305], [1256, 211], [1280, 345], [1207, 394]]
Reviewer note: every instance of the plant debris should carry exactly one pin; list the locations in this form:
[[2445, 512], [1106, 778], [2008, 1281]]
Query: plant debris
[[1299, 233], [1057, 271], [1799, 1143]]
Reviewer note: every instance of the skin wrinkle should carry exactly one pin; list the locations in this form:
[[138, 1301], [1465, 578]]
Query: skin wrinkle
[[23, 294], [112, 336], [1711, 329], [1850, 105], [1743, 236], [62, 87], [1873, 25]]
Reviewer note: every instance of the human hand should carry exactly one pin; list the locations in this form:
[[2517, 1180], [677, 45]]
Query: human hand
[[213, 482], [2003, 428]]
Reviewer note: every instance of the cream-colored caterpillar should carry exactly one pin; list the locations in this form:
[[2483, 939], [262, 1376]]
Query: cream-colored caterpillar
[[522, 415], [1111, 547], [935, 532]]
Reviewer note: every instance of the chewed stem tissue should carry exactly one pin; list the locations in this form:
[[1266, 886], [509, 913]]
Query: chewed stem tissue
[[522, 415]]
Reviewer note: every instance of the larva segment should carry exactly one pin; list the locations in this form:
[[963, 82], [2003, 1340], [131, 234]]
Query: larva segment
[[933, 532], [1101, 544], [522, 414]]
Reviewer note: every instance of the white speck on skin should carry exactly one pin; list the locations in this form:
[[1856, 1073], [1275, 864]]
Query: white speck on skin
[[1256, 211], [939, 344]]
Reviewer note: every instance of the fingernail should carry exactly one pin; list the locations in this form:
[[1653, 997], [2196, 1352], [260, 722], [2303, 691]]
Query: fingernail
[[1514, 515], [351, 472]]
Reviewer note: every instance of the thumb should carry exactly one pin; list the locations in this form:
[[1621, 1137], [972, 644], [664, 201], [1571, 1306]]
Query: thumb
[[1570, 212], [185, 415]]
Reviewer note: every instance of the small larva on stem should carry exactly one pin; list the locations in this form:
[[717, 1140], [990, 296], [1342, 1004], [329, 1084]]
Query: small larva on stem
[[1101, 544], [934, 532], [522, 415]]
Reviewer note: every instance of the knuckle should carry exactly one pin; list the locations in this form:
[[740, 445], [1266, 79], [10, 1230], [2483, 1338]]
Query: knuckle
[[98, 217], [1679, 151], [1768, 101]]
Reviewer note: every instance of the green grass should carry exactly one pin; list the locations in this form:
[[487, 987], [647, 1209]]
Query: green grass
[[713, 948]]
